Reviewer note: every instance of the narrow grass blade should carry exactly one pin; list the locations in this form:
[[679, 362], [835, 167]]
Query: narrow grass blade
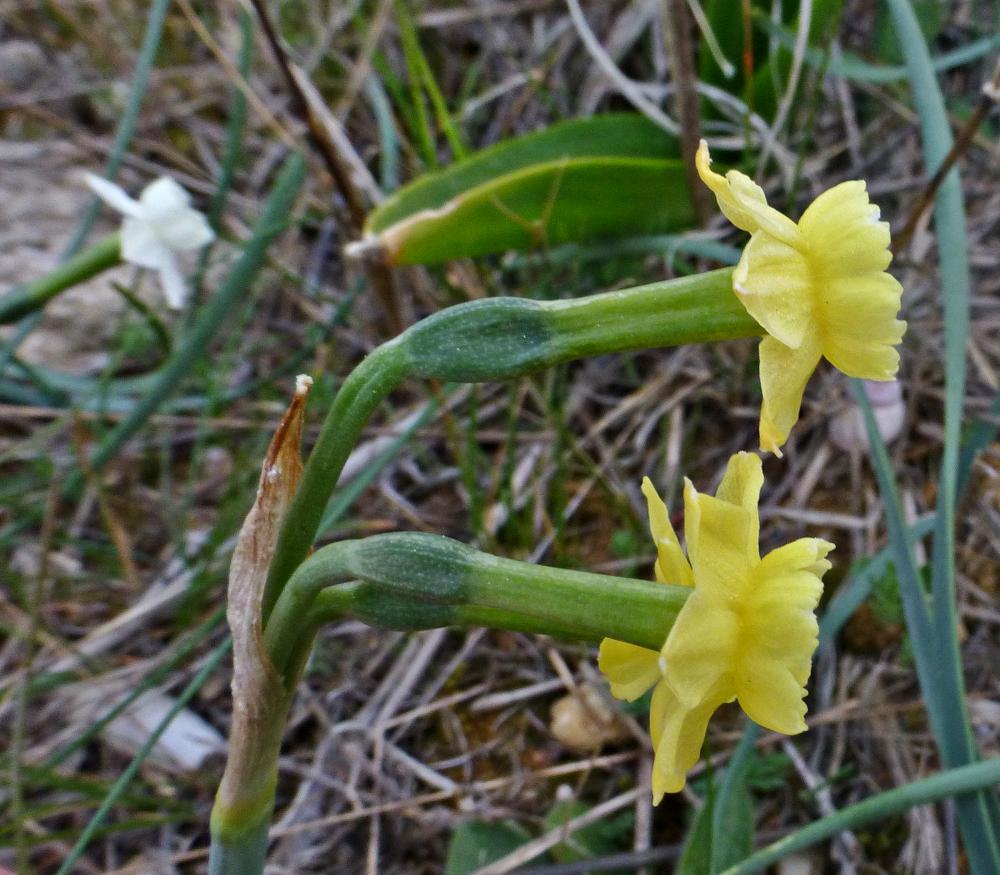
[[947, 713], [418, 63], [126, 776], [851, 67], [980, 822]]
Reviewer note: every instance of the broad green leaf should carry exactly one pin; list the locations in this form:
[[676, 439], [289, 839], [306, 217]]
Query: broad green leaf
[[475, 844], [600, 178]]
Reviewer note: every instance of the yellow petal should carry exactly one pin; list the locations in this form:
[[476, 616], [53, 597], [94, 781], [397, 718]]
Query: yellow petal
[[701, 650], [741, 484], [678, 734], [784, 373], [779, 634], [743, 202], [630, 669], [861, 328], [721, 542], [842, 231], [774, 282], [671, 565]]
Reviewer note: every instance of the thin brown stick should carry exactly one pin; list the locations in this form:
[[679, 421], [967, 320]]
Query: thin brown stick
[[987, 98], [378, 273], [677, 27]]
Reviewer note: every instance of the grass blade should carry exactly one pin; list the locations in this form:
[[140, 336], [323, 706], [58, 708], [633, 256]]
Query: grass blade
[[954, 782], [957, 742], [948, 715], [126, 777]]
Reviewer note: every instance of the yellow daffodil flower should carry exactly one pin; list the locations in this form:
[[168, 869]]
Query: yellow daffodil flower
[[747, 632], [819, 288]]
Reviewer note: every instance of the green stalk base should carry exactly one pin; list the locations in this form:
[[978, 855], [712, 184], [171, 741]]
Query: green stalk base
[[244, 854]]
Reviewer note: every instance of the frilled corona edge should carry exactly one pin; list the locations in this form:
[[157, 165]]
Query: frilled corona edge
[[747, 632]]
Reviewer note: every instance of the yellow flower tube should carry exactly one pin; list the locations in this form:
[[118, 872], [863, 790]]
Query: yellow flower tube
[[819, 288], [747, 632]]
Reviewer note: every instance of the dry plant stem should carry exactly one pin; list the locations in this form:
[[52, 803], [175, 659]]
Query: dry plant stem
[[378, 273], [677, 27], [245, 800], [986, 102]]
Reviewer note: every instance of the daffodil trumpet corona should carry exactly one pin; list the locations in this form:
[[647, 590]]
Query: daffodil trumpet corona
[[747, 632], [819, 288]]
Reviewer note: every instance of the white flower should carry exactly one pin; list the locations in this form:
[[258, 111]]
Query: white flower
[[156, 226]]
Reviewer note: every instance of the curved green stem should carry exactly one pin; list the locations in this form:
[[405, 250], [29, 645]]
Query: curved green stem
[[415, 580], [498, 339], [81, 267], [363, 390]]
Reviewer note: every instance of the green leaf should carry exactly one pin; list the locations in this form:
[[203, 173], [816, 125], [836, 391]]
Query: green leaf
[[734, 839], [590, 179], [600, 839], [476, 843]]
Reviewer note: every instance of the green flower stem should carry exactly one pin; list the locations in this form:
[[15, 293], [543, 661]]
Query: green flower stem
[[242, 854], [416, 580], [363, 390], [955, 782], [693, 309], [498, 339], [240, 821], [358, 600], [81, 267]]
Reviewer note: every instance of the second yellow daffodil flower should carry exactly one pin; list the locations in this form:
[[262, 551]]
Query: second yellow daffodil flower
[[819, 288], [747, 632]]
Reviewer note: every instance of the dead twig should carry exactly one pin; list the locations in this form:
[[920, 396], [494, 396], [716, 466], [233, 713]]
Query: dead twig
[[987, 99], [336, 165]]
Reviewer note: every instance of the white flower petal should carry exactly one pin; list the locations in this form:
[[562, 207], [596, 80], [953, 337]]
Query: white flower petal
[[141, 245], [166, 208], [175, 289], [162, 197], [188, 230], [113, 195]]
